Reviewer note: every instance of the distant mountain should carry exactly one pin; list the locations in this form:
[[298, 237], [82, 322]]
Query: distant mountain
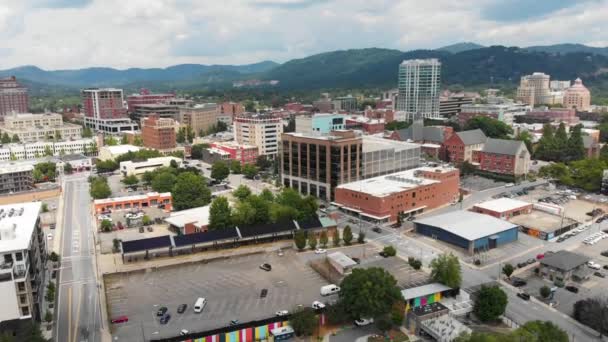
[[460, 47], [92, 77], [569, 48]]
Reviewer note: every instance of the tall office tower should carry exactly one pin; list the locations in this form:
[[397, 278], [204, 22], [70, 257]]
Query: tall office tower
[[534, 89], [104, 110], [13, 96], [419, 81]]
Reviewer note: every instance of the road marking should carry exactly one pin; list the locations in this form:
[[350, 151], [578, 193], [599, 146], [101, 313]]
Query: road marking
[[77, 319], [70, 314]]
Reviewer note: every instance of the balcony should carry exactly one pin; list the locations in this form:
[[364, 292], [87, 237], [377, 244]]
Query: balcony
[[6, 267]]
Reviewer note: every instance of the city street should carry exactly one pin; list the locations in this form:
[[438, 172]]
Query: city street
[[78, 309]]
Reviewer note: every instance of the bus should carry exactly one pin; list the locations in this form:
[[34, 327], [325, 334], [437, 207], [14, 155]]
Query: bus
[[282, 333]]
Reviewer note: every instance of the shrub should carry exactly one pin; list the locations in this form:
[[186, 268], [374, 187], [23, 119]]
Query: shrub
[[390, 250]]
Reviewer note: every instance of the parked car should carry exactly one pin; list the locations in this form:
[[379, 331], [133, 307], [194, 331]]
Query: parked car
[[282, 313], [540, 256], [161, 311], [518, 282], [264, 293], [320, 251], [594, 265], [234, 322], [317, 305], [184, 332], [266, 267], [572, 288], [523, 296], [508, 185], [165, 319], [377, 230], [599, 274], [411, 218], [383, 254], [357, 260], [120, 319], [364, 321], [181, 308]]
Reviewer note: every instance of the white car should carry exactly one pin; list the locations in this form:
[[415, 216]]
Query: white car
[[594, 265], [364, 321], [49, 236], [508, 185], [282, 313], [317, 305], [184, 332], [320, 251]]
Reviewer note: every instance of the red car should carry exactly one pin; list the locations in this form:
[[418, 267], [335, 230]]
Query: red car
[[120, 319]]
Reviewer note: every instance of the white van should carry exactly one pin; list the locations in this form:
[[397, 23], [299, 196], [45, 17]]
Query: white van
[[199, 305], [329, 289]]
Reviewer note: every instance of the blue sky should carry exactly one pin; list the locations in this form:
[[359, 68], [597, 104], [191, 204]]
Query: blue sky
[[67, 34]]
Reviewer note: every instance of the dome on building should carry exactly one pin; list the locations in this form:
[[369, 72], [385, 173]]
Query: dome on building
[[578, 86], [577, 96]]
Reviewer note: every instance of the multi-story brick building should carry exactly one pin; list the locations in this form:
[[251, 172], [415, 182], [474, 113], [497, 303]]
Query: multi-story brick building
[[365, 124], [163, 110], [263, 131], [557, 115], [22, 262], [158, 133], [32, 128], [104, 110], [245, 154], [145, 97], [228, 110], [13, 96], [405, 193], [200, 117], [510, 157], [460, 145]]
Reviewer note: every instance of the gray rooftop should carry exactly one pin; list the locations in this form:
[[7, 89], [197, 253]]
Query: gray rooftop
[[472, 137], [503, 146], [467, 224], [417, 133], [423, 290], [564, 260]]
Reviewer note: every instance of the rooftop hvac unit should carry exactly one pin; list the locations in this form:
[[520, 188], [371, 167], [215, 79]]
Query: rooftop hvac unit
[[8, 232]]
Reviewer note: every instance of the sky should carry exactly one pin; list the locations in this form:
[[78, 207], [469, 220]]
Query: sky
[[70, 34]]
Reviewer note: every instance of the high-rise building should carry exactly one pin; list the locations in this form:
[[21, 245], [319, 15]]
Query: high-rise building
[[419, 82], [578, 97], [158, 133], [200, 117], [22, 261], [104, 110], [534, 89], [228, 110], [262, 131], [13, 96]]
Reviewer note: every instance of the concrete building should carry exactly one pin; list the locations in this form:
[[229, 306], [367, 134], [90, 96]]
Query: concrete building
[[261, 131], [162, 110], [502, 112], [460, 145], [559, 85], [405, 193], [151, 199], [104, 110], [200, 117], [159, 133], [213, 154], [16, 178], [544, 222], [503, 208], [470, 231], [419, 82], [13, 96], [510, 157], [145, 97], [78, 161], [578, 97], [450, 106], [140, 167], [346, 103], [111, 152], [383, 156], [341, 262], [534, 89], [18, 151], [321, 123], [32, 128], [245, 154], [564, 266], [22, 262]]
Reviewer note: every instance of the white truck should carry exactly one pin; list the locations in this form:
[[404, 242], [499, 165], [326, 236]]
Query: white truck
[[329, 289]]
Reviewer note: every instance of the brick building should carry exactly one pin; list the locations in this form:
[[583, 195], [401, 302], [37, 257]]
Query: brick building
[[104, 111], [200, 117], [365, 124], [145, 97], [246, 154], [151, 199], [158, 133], [556, 115], [13, 96], [460, 146], [405, 193], [503, 208], [503, 156], [228, 110]]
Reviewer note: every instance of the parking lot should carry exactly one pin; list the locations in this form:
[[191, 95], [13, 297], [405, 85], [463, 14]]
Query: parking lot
[[477, 183], [231, 286]]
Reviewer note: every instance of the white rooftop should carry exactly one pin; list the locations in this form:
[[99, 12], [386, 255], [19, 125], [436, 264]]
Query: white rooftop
[[16, 168], [341, 259], [132, 198], [502, 204], [395, 182], [468, 225], [16, 230], [121, 149], [423, 290], [198, 216], [373, 143]]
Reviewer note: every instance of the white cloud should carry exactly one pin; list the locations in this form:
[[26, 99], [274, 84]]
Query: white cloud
[[144, 33]]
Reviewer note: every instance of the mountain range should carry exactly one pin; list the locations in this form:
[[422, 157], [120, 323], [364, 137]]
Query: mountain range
[[462, 63]]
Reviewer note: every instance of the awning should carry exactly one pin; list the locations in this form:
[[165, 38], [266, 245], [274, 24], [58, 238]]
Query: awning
[[412, 210], [375, 217]]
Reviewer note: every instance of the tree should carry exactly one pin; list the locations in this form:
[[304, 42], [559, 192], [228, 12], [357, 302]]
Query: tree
[[361, 237], [300, 239], [146, 220], [526, 137], [99, 188], [262, 162], [138, 141], [445, 269], [389, 251], [219, 171], [397, 313], [507, 270], [116, 245], [383, 323], [130, 180], [336, 238], [308, 207], [323, 239], [173, 163], [414, 263], [490, 303], [15, 138], [545, 291], [312, 241], [54, 257], [67, 168], [261, 207], [197, 150], [267, 195], [219, 214], [45, 208], [106, 226], [180, 138], [190, 133], [242, 192], [575, 146], [347, 235], [369, 292], [235, 167], [47, 151], [545, 331], [491, 127], [48, 317], [87, 132], [164, 182], [466, 168], [104, 166], [147, 177], [279, 212], [592, 312], [124, 140], [190, 191], [303, 322], [5, 138], [249, 171]]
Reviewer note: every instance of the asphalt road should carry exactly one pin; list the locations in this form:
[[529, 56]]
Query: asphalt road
[[78, 311]]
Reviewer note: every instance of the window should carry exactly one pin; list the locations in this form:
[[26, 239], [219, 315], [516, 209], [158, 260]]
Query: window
[[19, 256], [21, 286]]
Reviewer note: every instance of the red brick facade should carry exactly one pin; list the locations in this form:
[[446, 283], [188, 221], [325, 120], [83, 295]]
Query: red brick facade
[[158, 133], [13, 96], [245, 154]]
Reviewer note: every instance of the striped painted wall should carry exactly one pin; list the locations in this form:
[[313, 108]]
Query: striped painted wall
[[244, 335]]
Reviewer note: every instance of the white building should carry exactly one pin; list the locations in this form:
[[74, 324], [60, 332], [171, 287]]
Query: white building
[[111, 152], [137, 168], [419, 82], [22, 260], [39, 127], [261, 131], [534, 89], [18, 151]]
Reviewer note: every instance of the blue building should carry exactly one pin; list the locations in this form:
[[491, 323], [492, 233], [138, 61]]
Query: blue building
[[470, 231], [320, 123]]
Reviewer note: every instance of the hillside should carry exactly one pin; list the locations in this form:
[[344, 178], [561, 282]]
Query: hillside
[[460, 47], [569, 48]]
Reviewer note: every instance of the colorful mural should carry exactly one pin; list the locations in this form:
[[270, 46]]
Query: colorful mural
[[260, 333], [422, 301]]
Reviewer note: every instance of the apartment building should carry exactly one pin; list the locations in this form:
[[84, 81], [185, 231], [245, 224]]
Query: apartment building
[[346, 103], [262, 131], [158, 133], [16, 178], [18, 151], [13, 96], [104, 110], [31, 128], [22, 261], [200, 117], [419, 82], [452, 105]]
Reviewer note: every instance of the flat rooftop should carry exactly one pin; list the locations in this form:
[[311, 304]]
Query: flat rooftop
[[373, 143], [395, 182], [131, 198], [468, 225], [16, 229], [198, 216], [502, 204], [4, 169], [542, 221]]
